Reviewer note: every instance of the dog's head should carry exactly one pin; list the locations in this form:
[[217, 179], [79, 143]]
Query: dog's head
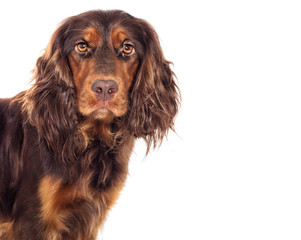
[[104, 66]]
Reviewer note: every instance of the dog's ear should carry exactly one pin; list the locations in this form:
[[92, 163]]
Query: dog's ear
[[155, 96], [50, 101], [54, 63]]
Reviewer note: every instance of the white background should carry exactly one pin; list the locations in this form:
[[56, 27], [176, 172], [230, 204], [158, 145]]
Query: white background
[[233, 169]]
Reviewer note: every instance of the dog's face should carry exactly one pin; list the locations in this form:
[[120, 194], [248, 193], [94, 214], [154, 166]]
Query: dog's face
[[104, 61]]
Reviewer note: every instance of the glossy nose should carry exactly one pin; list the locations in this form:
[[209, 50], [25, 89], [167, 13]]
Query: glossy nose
[[104, 89]]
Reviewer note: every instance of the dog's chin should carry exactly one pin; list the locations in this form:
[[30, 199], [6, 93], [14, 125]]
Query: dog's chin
[[103, 112], [100, 114]]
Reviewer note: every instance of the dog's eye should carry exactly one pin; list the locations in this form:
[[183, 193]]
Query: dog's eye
[[127, 48], [81, 47]]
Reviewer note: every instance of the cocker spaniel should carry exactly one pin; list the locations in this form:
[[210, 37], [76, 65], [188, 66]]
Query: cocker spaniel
[[65, 145]]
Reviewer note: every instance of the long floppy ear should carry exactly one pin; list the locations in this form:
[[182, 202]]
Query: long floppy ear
[[50, 101], [155, 96]]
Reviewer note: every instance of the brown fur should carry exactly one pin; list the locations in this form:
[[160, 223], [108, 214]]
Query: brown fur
[[64, 152]]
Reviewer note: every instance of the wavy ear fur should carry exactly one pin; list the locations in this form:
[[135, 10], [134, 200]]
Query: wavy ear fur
[[50, 101], [155, 96]]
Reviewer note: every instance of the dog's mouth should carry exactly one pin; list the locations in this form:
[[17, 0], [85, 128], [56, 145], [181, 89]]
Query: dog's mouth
[[103, 105], [101, 110]]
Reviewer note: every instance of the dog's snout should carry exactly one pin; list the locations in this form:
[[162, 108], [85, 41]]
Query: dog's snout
[[104, 89]]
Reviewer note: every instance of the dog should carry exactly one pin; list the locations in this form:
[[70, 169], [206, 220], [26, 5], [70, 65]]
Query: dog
[[65, 143]]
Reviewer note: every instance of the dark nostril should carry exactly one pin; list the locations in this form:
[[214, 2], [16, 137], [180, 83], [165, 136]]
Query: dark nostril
[[104, 89]]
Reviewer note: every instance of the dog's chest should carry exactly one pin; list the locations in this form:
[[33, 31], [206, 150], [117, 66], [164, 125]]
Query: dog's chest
[[84, 203]]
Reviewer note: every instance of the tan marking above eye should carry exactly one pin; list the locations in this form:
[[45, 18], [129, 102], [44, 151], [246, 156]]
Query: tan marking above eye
[[92, 36]]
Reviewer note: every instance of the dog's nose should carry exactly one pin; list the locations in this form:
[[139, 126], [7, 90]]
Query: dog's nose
[[104, 89]]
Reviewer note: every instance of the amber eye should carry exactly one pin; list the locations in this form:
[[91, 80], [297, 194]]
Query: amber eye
[[81, 47], [127, 48]]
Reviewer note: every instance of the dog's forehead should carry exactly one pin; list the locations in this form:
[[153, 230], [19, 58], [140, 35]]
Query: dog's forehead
[[95, 36]]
